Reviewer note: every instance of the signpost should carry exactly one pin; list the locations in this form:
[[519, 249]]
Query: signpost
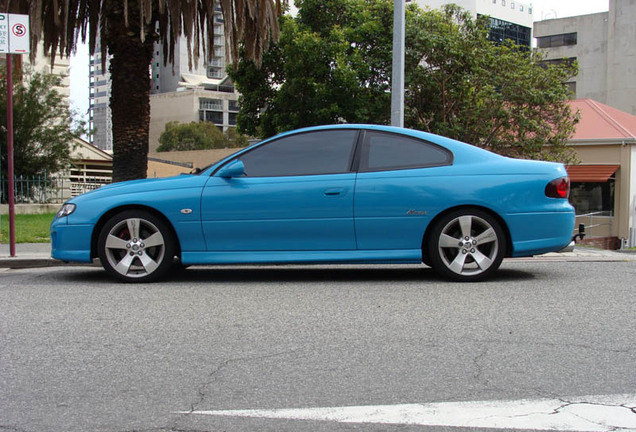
[[14, 39]]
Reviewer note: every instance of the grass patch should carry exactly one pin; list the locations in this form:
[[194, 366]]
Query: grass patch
[[29, 228]]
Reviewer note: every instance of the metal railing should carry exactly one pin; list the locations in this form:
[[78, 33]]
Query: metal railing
[[595, 220], [44, 189]]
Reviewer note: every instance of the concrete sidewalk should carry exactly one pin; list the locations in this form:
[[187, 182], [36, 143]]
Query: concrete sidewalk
[[28, 255], [31, 255]]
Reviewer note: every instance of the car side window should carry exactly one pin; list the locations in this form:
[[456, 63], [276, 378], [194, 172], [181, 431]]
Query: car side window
[[309, 153], [387, 151]]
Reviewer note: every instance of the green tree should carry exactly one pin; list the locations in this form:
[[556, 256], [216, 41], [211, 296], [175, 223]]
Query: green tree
[[42, 122], [331, 65], [497, 96], [197, 136], [128, 30]]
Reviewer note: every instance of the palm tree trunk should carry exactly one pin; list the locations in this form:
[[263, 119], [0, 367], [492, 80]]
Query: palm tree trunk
[[130, 95]]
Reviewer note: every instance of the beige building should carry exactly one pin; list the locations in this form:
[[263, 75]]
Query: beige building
[[199, 99], [604, 184]]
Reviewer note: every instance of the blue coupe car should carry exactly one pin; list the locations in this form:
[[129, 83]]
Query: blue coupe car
[[331, 194]]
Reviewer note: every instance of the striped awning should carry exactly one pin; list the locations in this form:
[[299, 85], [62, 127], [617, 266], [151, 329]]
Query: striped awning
[[591, 173]]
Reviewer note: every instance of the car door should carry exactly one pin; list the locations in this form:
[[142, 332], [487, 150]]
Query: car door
[[398, 189], [296, 195]]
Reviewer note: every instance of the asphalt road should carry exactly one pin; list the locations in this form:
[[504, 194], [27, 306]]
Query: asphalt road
[[81, 353]]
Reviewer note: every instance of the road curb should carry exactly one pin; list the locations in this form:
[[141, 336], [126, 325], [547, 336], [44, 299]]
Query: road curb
[[24, 263]]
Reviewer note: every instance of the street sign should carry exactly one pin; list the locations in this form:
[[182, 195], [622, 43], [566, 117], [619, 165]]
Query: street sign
[[14, 34], [14, 39]]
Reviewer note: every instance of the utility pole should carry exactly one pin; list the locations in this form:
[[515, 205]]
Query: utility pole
[[397, 80]]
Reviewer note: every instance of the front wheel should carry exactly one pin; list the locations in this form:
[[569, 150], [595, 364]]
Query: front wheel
[[466, 245], [136, 246]]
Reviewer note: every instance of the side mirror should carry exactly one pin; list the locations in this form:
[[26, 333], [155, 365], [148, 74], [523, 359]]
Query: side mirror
[[235, 168]]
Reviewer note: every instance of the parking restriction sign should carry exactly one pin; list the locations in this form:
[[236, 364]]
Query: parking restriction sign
[[14, 34]]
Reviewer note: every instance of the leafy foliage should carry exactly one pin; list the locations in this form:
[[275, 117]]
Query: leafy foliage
[[197, 136], [331, 65], [42, 123], [497, 96], [128, 32]]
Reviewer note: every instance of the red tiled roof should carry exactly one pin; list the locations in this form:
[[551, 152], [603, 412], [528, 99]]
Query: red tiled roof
[[591, 173], [599, 121]]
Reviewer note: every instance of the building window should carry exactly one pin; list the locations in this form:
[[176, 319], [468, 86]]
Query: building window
[[593, 197], [503, 2], [501, 30], [512, 5], [211, 104], [214, 117], [211, 110], [569, 61], [572, 88], [232, 119], [215, 72], [554, 41], [520, 8]]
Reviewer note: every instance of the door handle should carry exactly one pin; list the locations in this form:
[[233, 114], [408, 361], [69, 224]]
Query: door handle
[[334, 192]]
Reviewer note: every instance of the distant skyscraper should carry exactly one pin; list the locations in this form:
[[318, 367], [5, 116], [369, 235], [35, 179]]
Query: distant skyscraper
[[203, 93], [100, 119], [209, 77], [170, 77]]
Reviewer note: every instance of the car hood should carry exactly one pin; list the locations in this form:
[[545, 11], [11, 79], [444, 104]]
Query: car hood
[[144, 185]]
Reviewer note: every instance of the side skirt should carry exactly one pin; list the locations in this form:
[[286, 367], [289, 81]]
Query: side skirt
[[407, 256]]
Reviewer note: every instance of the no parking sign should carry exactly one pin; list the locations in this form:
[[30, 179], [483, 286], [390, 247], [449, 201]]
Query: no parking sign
[[14, 34], [14, 39]]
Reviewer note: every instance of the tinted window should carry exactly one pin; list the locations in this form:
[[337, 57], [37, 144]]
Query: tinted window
[[390, 151], [322, 152]]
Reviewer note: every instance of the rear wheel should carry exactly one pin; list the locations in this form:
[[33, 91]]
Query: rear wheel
[[466, 245], [136, 246]]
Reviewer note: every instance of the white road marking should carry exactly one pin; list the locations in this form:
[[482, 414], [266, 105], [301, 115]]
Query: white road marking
[[584, 414]]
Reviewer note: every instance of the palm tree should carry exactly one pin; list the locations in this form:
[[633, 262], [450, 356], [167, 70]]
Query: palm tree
[[128, 30]]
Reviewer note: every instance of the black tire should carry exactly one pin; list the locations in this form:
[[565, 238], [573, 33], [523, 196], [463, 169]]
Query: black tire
[[136, 246], [466, 245]]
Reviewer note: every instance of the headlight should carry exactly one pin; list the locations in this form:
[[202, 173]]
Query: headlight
[[66, 210]]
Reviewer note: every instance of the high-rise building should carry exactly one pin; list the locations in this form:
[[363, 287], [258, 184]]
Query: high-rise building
[[100, 118], [603, 46], [168, 77], [509, 19], [212, 93], [201, 93]]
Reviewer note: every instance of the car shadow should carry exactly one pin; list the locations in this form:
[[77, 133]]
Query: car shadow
[[311, 274], [330, 274], [296, 273]]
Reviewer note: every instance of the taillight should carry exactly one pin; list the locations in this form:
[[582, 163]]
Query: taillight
[[558, 188]]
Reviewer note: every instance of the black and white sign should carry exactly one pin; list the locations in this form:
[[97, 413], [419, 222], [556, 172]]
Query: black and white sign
[[14, 34]]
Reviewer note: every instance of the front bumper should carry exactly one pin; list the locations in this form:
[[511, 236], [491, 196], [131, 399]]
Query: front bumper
[[71, 242]]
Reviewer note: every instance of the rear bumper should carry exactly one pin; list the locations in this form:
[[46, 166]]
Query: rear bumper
[[538, 233]]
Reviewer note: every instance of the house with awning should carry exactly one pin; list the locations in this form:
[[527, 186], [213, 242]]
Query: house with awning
[[604, 183]]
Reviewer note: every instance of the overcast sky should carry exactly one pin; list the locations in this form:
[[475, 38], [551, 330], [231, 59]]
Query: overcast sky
[[543, 9]]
